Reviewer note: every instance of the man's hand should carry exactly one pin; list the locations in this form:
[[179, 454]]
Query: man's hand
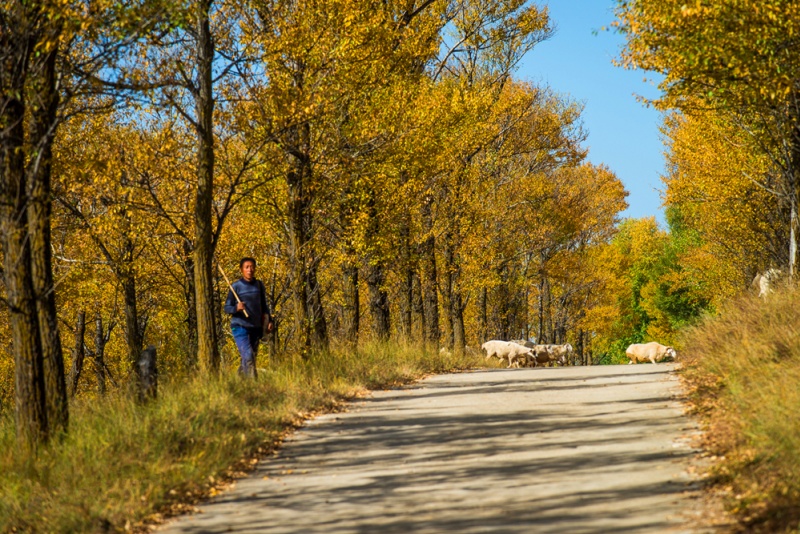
[[240, 306], [270, 326]]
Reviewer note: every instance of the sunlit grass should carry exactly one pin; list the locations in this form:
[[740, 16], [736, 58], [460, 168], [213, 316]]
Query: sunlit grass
[[744, 369], [122, 462]]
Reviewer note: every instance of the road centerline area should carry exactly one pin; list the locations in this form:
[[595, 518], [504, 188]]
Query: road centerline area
[[569, 450]]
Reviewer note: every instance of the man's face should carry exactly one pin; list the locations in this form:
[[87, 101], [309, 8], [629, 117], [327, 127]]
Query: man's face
[[248, 270]]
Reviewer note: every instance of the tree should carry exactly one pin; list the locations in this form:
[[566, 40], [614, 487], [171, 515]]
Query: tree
[[740, 58]]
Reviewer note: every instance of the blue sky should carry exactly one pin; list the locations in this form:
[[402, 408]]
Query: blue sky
[[622, 132]]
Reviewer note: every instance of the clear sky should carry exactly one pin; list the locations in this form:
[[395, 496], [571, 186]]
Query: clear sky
[[622, 132]]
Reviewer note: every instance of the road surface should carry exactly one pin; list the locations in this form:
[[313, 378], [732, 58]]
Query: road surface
[[553, 450]]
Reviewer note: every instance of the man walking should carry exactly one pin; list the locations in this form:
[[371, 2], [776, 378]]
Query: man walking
[[248, 328]]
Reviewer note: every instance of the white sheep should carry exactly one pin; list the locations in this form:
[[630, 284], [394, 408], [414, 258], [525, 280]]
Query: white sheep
[[506, 350], [655, 352]]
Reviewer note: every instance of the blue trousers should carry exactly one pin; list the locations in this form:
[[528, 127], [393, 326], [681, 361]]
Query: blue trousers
[[247, 340]]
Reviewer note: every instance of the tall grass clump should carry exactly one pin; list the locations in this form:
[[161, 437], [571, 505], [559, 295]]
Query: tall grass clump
[[743, 368], [124, 463]]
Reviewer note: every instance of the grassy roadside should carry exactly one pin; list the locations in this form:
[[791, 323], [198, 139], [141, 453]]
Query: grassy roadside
[[743, 369], [123, 463]]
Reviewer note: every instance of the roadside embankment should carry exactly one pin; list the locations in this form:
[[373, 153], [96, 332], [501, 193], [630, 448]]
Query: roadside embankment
[[743, 370], [124, 463]]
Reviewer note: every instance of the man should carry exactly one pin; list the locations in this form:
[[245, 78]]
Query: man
[[248, 329]]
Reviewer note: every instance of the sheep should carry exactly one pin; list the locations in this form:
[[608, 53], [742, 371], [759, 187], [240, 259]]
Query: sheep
[[640, 352], [560, 353], [765, 281], [503, 350]]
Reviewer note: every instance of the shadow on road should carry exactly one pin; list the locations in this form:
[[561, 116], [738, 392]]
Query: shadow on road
[[510, 451]]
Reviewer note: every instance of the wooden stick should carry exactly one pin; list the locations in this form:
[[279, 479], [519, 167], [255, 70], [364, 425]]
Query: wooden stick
[[232, 290]]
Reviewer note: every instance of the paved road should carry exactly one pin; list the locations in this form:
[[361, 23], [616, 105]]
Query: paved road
[[556, 450]]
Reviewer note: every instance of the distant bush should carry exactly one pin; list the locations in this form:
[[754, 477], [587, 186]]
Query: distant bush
[[743, 368]]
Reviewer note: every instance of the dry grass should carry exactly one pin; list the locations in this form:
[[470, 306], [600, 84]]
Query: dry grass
[[124, 464], [744, 370]]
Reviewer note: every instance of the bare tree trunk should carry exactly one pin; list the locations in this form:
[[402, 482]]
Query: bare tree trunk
[[189, 293], [447, 292], [406, 280], [540, 334], [459, 335], [429, 276], [378, 301], [40, 209], [316, 312], [351, 309], [99, 354], [78, 354], [503, 304], [30, 401], [207, 347], [29, 392], [483, 315], [418, 307], [297, 246]]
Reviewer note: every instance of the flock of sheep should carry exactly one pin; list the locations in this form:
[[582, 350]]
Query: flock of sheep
[[520, 353]]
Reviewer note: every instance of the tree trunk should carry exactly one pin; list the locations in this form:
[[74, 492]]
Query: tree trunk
[[207, 347], [30, 403], [430, 292], [447, 292], [44, 119], [29, 392], [459, 335], [78, 354], [483, 315], [297, 246], [148, 374], [378, 301], [316, 312], [133, 338], [99, 354], [189, 292], [418, 307], [350, 309], [406, 280], [503, 305], [540, 335]]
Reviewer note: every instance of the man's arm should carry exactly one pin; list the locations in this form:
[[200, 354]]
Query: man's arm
[[230, 303]]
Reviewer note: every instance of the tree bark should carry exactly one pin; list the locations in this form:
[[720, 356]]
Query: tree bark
[[483, 315], [298, 240], [406, 280], [418, 307], [44, 120], [350, 309], [17, 46], [430, 292], [99, 354], [133, 337], [207, 347], [29, 392], [78, 354], [316, 313], [189, 292], [378, 301]]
